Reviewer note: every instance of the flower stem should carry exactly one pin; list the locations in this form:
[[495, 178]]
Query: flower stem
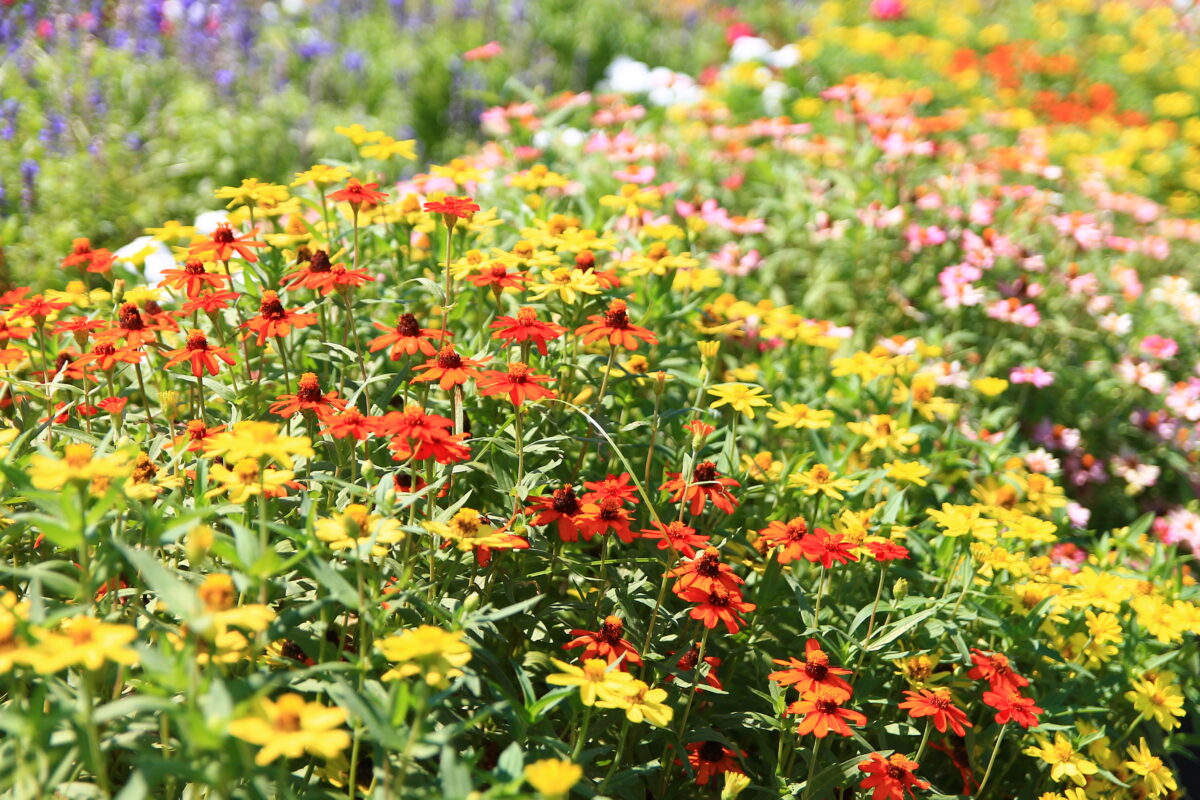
[[991, 761]]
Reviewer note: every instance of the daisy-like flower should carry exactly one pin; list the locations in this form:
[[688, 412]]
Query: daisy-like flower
[[882, 433], [717, 604], [711, 758], [616, 328], [824, 548], [499, 277], [308, 397], [608, 643], [355, 527], [674, 535], [291, 727], [741, 397], [349, 422], [254, 440], [597, 519], [960, 520], [890, 778], [822, 711], [434, 654], [996, 669], [79, 464], [453, 209], [200, 354], [321, 175], [1065, 763], [553, 778], [1010, 704], [224, 244], [596, 680], [519, 382], [449, 369], [786, 536], [619, 487], [1156, 697], [568, 283], [706, 484], [407, 337], [812, 673], [704, 572], [358, 194], [106, 354], [887, 550], [526, 327], [273, 320], [913, 472], [641, 704], [37, 307], [819, 479], [246, 479], [83, 642], [560, 508], [798, 415], [193, 278], [1156, 776], [938, 704]]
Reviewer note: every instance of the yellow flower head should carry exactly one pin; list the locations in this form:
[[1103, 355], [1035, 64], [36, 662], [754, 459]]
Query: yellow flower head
[[436, 655], [553, 778], [258, 440], [741, 397], [596, 680], [356, 527], [1065, 763], [291, 727], [798, 415]]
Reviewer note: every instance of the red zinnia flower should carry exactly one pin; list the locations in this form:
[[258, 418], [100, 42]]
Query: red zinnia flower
[[350, 422], [19, 332], [889, 778], [938, 704], [617, 486], [113, 405], [274, 320], [700, 430], [498, 277], [196, 433], [688, 662], [37, 307], [811, 673], [201, 355], [996, 670], [406, 338], [561, 508], [787, 536], [79, 327], [824, 548], [308, 397], [600, 518], [676, 536], [193, 278], [704, 572], [526, 327], [706, 484], [449, 369], [1011, 705], [417, 435], [358, 193], [887, 551], [823, 712], [225, 243], [718, 605], [453, 208], [607, 643], [209, 302], [98, 260], [106, 354], [711, 758], [519, 382], [616, 327]]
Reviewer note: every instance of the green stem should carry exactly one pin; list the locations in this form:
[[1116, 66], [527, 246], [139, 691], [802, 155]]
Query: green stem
[[991, 761]]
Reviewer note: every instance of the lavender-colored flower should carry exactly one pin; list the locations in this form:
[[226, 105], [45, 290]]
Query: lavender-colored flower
[[353, 61]]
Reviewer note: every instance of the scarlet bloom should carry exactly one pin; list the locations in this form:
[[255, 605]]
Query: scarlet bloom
[[193, 278], [811, 673], [937, 703], [274, 320], [526, 327], [616, 327], [608, 515], [350, 422], [520, 383], [131, 326], [113, 405], [824, 548], [357, 193], [498, 277], [417, 435], [449, 369], [106, 354], [706, 484], [688, 662], [1010, 704], [607, 643], [823, 712], [889, 778], [209, 302], [705, 573], [201, 354], [888, 551], [996, 670], [316, 274], [8, 332], [308, 397], [82, 255], [37, 307], [675, 536], [406, 338], [225, 243], [195, 434], [787, 536], [718, 605], [344, 279], [79, 327], [711, 758], [617, 486], [453, 208], [561, 508], [699, 429]]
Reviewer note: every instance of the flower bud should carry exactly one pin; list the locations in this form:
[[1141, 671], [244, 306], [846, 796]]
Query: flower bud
[[900, 589]]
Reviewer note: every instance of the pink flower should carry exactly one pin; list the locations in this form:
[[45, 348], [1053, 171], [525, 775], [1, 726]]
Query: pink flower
[[635, 173], [1036, 376], [732, 261], [1014, 311], [888, 10], [483, 52], [1159, 346]]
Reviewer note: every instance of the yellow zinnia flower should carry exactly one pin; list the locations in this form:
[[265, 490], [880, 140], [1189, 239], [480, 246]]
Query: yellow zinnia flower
[[1065, 763], [435, 654], [741, 397], [291, 727], [596, 681], [553, 778]]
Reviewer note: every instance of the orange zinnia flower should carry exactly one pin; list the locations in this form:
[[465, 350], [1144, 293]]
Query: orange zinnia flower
[[607, 643], [519, 382], [811, 673], [106, 354], [132, 327], [308, 397], [616, 327], [676, 536], [209, 302], [350, 422], [357, 193], [274, 320], [608, 515], [718, 605], [224, 244], [996, 670], [706, 484], [449, 369], [195, 434], [937, 704], [37, 307], [711, 758], [406, 338], [498, 277], [526, 327], [787, 537], [617, 486], [453, 209], [417, 435], [1010, 704], [824, 548], [201, 354], [823, 713], [193, 278], [889, 778], [317, 274], [561, 508], [704, 572], [19, 332]]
